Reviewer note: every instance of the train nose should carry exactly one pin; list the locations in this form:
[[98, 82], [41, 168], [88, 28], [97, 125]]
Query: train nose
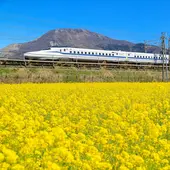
[[29, 53]]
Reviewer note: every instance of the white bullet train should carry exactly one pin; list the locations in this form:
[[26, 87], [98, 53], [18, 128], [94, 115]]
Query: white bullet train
[[80, 54]]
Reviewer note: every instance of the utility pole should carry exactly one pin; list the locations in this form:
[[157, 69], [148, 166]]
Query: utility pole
[[163, 47], [145, 46], [163, 53], [169, 52], [166, 64]]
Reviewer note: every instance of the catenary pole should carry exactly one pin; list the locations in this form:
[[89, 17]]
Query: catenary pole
[[163, 55]]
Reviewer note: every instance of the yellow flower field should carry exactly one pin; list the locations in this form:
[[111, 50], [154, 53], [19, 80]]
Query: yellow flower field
[[85, 126]]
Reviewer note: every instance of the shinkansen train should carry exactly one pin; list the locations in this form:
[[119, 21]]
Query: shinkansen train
[[80, 54]]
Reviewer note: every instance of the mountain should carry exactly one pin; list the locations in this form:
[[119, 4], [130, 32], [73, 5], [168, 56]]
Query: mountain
[[73, 38]]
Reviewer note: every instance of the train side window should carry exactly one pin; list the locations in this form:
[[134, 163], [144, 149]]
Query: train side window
[[89, 53], [96, 53], [78, 52], [60, 50], [106, 54], [109, 54], [64, 49], [82, 52], [116, 53], [103, 54], [99, 53], [92, 53], [74, 52], [70, 52], [85, 53]]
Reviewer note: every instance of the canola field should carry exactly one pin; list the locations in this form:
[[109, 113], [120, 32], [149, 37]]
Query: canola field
[[88, 126]]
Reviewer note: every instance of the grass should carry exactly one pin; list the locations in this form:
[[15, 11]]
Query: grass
[[41, 75]]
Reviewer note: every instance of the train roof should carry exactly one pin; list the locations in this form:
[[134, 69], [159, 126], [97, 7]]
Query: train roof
[[100, 50]]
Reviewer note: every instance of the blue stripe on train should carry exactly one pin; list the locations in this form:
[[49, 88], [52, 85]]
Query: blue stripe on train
[[105, 56]]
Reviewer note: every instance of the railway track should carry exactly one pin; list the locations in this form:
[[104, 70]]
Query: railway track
[[43, 63]]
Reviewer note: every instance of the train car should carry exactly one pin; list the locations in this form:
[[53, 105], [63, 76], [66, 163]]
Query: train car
[[93, 55]]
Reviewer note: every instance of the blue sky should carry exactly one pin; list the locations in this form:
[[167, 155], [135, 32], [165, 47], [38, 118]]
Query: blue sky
[[132, 20]]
